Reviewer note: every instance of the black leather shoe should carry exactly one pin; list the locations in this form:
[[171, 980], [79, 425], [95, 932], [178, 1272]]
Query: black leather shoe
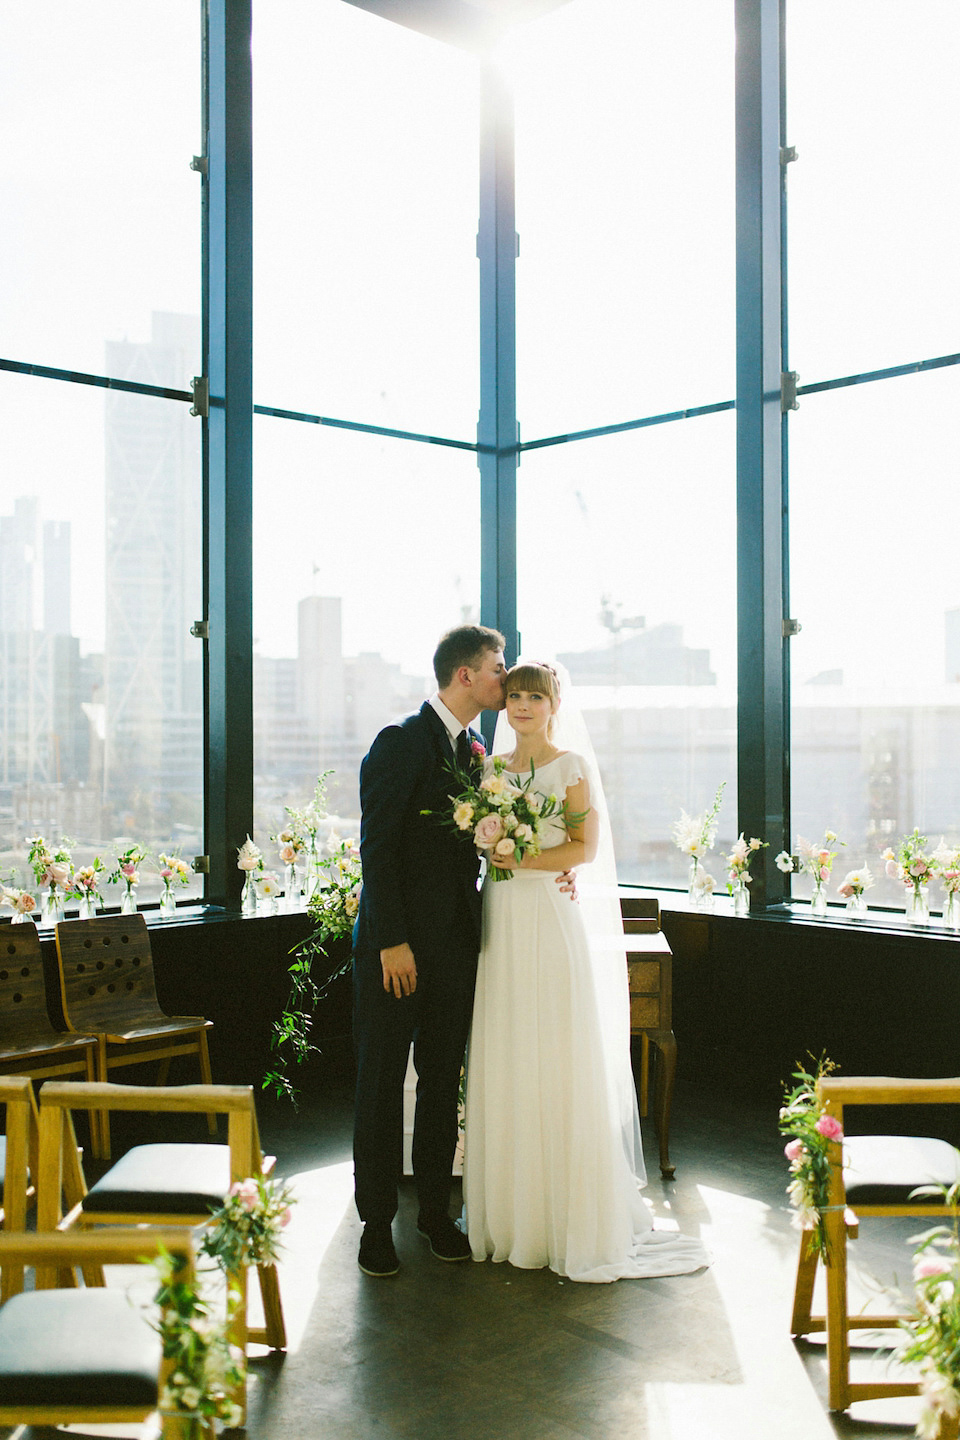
[[446, 1241], [377, 1256]]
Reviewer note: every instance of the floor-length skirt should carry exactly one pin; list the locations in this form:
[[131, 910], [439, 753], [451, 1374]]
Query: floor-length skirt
[[547, 1180]]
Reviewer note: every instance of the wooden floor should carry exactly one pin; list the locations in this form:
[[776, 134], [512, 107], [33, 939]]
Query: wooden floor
[[486, 1352]]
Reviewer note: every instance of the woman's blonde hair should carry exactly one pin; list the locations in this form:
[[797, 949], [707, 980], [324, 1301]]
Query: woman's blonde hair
[[541, 677]]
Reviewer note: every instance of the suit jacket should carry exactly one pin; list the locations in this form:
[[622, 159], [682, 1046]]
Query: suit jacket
[[419, 874]]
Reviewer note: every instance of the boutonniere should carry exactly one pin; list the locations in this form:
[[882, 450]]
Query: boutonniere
[[477, 748]]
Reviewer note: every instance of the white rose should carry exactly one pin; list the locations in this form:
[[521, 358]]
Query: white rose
[[523, 832], [503, 848]]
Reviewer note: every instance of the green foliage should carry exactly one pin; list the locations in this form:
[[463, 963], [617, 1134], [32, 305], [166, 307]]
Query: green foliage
[[206, 1368], [934, 1328], [333, 909]]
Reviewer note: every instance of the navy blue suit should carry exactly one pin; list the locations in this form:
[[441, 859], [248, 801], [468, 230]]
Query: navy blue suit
[[419, 886]]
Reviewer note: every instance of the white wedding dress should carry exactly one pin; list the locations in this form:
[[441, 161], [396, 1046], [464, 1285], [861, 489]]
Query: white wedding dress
[[548, 1177]]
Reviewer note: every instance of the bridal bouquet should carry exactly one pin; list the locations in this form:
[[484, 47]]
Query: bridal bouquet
[[505, 819]]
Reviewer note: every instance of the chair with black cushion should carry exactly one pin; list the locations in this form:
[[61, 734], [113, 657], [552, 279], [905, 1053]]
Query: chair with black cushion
[[870, 1175], [161, 1184], [29, 1044], [83, 1356], [107, 986]]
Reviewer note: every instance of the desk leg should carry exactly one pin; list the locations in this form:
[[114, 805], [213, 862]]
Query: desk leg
[[666, 1075]]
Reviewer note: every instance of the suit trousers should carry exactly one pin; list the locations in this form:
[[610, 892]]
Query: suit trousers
[[436, 1018]]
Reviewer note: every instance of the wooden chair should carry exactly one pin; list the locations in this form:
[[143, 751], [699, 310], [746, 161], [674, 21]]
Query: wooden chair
[[166, 1184], [650, 965], [107, 986], [18, 1161], [83, 1356], [29, 1045], [870, 1175]]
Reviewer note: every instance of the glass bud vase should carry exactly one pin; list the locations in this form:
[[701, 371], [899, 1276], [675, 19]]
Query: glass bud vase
[[312, 876], [818, 900], [918, 907], [266, 905], [291, 887], [128, 901], [856, 907], [168, 906], [248, 897], [51, 912], [693, 889], [951, 911], [88, 907], [741, 898]]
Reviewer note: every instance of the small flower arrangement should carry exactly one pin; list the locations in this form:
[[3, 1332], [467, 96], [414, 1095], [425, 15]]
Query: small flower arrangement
[[249, 857], [934, 1329], [51, 868], [206, 1368], [854, 886], [127, 868], [22, 902], [694, 834], [946, 858], [505, 820], [816, 860], [738, 861], [811, 1129], [85, 884], [911, 863], [267, 885], [247, 1227], [173, 870], [290, 845]]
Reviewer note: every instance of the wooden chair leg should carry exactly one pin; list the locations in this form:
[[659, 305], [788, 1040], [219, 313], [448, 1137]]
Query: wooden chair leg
[[206, 1075], [643, 1098], [838, 1334], [666, 1076], [803, 1292], [274, 1331], [104, 1115]]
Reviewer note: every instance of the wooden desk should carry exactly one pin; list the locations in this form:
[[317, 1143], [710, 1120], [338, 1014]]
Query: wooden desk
[[650, 966]]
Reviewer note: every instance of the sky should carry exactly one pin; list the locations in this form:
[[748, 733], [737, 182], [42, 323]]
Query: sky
[[366, 284]]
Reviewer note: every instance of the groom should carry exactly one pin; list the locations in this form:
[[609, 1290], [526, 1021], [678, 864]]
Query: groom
[[415, 946]]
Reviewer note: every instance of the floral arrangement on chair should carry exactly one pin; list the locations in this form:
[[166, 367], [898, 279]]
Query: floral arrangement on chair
[[934, 1328], [811, 1129], [246, 1230], [205, 1367], [694, 835]]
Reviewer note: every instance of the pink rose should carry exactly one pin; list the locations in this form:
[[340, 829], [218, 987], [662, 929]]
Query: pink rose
[[794, 1150], [26, 903], [845, 890], [477, 748], [824, 872], [488, 832], [829, 1128], [166, 873], [57, 873], [925, 1269], [919, 867], [892, 869], [128, 871], [247, 1192], [247, 862], [288, 854]]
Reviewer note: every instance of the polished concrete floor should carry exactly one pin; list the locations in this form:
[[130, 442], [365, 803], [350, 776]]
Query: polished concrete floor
[[486, 1352]]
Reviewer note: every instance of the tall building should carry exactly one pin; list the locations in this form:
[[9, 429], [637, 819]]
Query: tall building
[[153, 681], [56, 577]]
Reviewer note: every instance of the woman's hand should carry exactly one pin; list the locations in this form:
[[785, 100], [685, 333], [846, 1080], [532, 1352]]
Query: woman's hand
[[504, 861]]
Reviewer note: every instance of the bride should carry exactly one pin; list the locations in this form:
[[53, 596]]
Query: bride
[[553, 1164]]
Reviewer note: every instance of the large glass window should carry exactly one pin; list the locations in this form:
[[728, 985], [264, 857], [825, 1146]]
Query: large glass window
[[873, 197], [101, 693], [100, 115], [627, 572], [372, 555], [365, 174], [876, 668], [625, 211]]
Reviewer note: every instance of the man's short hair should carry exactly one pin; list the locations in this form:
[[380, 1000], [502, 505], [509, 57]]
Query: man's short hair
[[464, 645]]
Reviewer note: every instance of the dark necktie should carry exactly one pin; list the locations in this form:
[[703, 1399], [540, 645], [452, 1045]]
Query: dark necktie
[[464, 756]]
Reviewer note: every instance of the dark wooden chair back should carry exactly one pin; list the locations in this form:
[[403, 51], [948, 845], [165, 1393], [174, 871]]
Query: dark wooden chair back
[[23, 994], [107, 982]]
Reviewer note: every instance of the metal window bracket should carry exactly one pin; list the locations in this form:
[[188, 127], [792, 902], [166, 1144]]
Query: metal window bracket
[[201, 864], [788, 153], [790, 627], [200, 629], [200, 386], [199, 163], [789, 379]]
